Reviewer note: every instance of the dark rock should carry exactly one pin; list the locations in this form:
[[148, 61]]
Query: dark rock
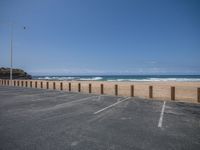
[[17, 74]]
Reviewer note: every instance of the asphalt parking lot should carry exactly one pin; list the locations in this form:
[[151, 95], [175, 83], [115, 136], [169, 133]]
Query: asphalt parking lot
[[38, 119]]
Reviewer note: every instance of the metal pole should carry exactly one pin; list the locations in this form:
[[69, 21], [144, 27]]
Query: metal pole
[[11, 54]]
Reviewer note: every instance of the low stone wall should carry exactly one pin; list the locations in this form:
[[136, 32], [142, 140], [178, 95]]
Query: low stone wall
[[175, 91]]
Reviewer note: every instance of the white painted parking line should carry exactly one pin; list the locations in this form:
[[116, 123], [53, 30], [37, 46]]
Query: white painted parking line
[[161, 115], [111, 105], [64, 105], [66, 96], [82, 99], [99, 98], [73, 101]]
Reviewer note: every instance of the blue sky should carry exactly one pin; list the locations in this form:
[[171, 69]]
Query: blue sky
[[66, 37]]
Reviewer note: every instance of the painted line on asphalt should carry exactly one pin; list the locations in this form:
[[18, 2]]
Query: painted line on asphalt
[[15, 91], [161, 115], [82, 99], [111, 105], [73, 101], [99, 98], [66, 96], [49, 94], [63, 105]]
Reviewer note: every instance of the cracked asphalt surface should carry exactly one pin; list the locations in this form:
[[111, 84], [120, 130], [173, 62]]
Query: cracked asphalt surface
[[38, 119]]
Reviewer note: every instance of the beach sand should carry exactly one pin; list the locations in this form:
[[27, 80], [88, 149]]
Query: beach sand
[[184, 91]]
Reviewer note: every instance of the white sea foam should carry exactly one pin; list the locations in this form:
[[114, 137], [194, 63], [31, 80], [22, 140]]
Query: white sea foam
[[159, 79], [82, 78], [91, 79], [175, 79], [71, 78], [56, 78]]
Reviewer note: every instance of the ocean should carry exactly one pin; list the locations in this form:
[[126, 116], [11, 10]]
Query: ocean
[[121, 78]]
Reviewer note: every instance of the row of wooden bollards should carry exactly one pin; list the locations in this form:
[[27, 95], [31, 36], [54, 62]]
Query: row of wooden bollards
[[25, 84]]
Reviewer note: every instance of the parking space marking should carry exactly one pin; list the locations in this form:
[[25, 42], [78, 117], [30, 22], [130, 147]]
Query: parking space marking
[[161, 115], [99, 98], [111, 105], [82, 99]]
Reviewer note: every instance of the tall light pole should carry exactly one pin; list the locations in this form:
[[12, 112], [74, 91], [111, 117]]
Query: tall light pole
[[11, 48], [11, 52]]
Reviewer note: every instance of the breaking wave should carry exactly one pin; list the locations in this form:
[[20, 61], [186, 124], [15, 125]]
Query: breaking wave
[[159, 79], [119, 78], [71, 78]]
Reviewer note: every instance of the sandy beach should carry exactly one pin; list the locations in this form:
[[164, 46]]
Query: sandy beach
[[184, 91]]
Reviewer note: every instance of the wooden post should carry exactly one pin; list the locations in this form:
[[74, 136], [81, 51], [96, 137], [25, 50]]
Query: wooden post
[[70, 86], [90, 88], [102, 92], [22, 83], [173, 93], [198, 95], [35, 84], [14, 83], [17, 83], [47, 84], [116, 89], [41, 85], [26, 83], [150, 91], [132, 90], [31, 84], [61, 86], [79, 87], [54, 85], [7, 82]]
